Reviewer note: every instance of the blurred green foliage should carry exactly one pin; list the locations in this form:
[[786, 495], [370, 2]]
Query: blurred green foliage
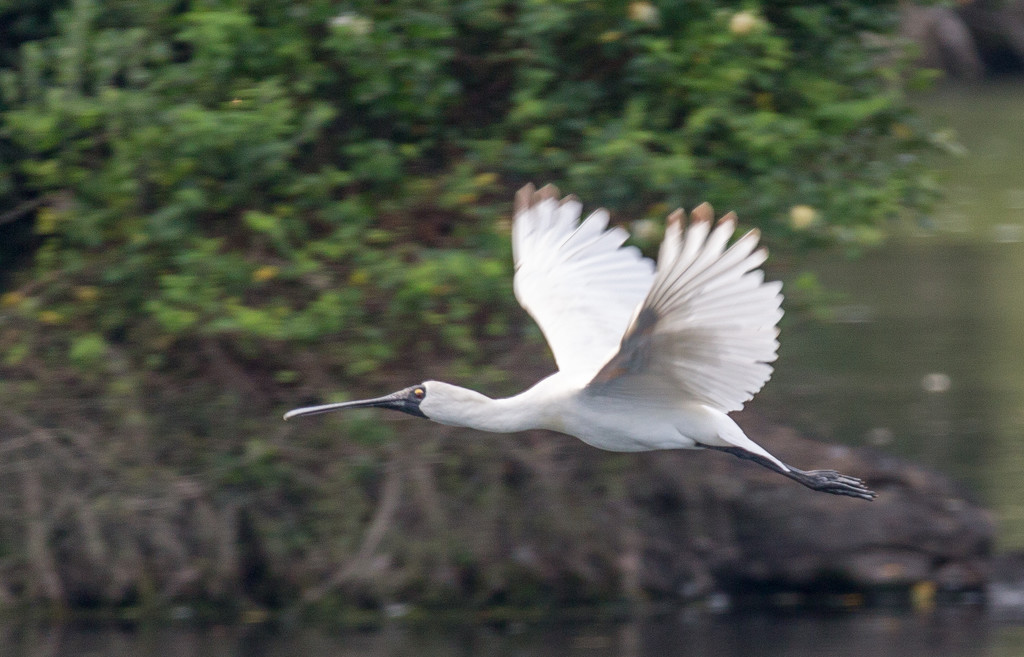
[[237, 205], [283, 174]]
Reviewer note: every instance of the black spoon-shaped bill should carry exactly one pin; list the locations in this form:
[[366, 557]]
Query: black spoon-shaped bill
[[406, 400]]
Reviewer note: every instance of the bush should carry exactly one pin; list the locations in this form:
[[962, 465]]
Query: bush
[[218, 191]]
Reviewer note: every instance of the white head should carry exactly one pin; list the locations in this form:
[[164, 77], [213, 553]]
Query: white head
[[454, 405]]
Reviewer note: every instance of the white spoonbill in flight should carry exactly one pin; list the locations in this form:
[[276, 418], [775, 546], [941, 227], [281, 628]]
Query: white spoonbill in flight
[[648, 357]]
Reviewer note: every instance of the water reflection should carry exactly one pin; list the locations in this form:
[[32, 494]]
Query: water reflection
[[951, 633], [924, 356], [905, 364]]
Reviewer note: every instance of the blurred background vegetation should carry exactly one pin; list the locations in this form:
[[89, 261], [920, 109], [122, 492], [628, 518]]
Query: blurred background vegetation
[[214, 211]]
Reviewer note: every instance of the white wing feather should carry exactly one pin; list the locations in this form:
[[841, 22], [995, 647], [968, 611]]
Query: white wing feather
[[707, 330], [575, 279]]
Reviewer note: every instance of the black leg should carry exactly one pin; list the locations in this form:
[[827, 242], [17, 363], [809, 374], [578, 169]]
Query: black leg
[[827, 481]]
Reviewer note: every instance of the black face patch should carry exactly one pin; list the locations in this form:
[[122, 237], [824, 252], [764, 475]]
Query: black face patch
[[408, 400]]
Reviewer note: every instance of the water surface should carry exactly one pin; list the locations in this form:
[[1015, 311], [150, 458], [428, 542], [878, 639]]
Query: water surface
[[924, 354], [947, 633]]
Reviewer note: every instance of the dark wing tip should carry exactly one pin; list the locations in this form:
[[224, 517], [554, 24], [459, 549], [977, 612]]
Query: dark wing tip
[[524, 198], [676, 218], [728, 217], [546, 192], [703, 212], [529, 196]]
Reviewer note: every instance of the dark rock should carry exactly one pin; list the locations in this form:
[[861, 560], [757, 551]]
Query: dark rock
[[1005, 590], [975, 38], [944, 40], [744, 527], [998, 29], [964, 575], [888, 567]]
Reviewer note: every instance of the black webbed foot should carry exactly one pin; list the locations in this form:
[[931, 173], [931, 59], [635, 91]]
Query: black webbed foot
[[827, 481], [830, 481]]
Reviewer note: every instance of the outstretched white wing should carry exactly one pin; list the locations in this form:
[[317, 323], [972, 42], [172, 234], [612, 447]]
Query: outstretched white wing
[[707, 330], [575, 279]]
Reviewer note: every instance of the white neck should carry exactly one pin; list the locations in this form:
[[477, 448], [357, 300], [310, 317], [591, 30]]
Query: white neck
[[535, 408]]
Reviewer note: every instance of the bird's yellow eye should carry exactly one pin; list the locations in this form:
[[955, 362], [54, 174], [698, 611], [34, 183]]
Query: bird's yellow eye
[[418, 392]]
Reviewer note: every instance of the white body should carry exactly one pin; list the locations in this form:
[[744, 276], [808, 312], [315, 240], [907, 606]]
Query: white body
[[615, 424], [648, 357]]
